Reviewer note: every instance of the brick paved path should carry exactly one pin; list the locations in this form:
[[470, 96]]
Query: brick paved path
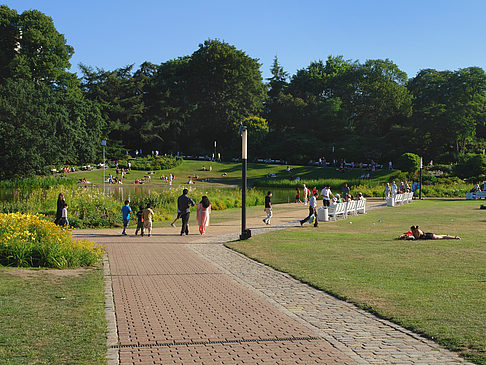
[[188, 300]]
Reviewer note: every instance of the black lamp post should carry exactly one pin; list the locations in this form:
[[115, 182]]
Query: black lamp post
[[245, 233], [421, 166]]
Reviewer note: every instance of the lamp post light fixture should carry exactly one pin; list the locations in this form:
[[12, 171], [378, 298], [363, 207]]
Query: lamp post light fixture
[[245, 233]]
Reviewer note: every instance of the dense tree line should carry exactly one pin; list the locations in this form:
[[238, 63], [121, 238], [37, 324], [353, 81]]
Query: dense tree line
[[337, 108]]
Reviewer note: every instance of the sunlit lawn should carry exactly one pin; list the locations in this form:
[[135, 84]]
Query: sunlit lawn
[[437, 288], [38, 326]]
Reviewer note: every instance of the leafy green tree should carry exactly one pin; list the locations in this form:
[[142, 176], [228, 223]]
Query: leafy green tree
[[383, 99], [471, 165], [225, 85], [408, 162], [257, 132], [32, 49], [448, 109], [42, 127]]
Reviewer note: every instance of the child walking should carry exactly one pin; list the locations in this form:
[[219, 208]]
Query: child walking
[[126, 210], [139, 221], [148, 214], [64, 222]]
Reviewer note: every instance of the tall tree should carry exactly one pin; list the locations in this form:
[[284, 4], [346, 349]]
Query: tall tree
[[225, 85], [448, 108], [33, 49]]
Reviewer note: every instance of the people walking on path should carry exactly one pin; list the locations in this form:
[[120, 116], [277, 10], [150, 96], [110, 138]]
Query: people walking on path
[[148, 215], [268, 208], [184, 204], [203, 212], [305, 191], [64, 222], [176, 218], [312, 211], [139, 221], [126, 210], [60, 206], [297, 196], [326, 195]]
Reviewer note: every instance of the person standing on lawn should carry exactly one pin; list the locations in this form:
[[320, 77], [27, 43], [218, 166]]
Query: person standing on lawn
[[184, 204], [268, 208], [312, 211], [126, 210]]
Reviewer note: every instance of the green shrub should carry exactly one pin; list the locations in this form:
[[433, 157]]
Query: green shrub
[[152, 163], [471, 165], [408, 162]]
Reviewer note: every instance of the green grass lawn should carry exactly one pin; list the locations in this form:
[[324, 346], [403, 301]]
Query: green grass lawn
[[436, 288], [37, 327], [256, 173]]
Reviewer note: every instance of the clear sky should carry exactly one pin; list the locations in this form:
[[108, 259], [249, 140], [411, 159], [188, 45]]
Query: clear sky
[[445, 34]]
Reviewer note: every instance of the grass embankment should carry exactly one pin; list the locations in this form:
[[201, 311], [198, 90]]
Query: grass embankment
[[436, 288], [37, 326]]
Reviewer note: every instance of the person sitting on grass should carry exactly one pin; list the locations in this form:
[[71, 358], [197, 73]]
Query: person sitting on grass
[[420, 235]]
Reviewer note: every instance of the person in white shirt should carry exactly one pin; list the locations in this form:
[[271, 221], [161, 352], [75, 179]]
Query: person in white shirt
[[394, 189], [312, 211], [326, 194]]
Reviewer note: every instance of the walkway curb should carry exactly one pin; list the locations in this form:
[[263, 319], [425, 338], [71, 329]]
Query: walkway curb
[[112, 352]]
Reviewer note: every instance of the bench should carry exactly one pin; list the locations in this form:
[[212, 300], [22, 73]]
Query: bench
[[350, 208], [361, 206], [335, 210]]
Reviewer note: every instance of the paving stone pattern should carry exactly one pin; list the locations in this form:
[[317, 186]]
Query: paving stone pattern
[[173, 307], [190, 300], [362, 336]]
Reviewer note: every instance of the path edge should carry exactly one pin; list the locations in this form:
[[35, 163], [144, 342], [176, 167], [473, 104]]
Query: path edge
[[112, 351]]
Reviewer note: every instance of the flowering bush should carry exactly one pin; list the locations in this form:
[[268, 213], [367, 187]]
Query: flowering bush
[[28, 240]]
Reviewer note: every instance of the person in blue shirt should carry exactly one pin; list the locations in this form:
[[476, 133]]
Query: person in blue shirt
[[126, 210]]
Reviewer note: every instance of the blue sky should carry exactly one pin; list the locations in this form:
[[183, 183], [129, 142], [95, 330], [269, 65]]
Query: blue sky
[[414, 34]]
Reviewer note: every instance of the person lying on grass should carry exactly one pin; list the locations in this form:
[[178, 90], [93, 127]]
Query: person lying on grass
[[420, 235]]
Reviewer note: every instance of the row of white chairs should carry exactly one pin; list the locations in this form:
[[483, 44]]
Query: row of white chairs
[[353, 207], [404, 198]]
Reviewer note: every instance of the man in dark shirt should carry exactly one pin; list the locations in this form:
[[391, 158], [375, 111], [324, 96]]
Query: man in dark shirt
[[346, 191], [268, 207], [184, 204]]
